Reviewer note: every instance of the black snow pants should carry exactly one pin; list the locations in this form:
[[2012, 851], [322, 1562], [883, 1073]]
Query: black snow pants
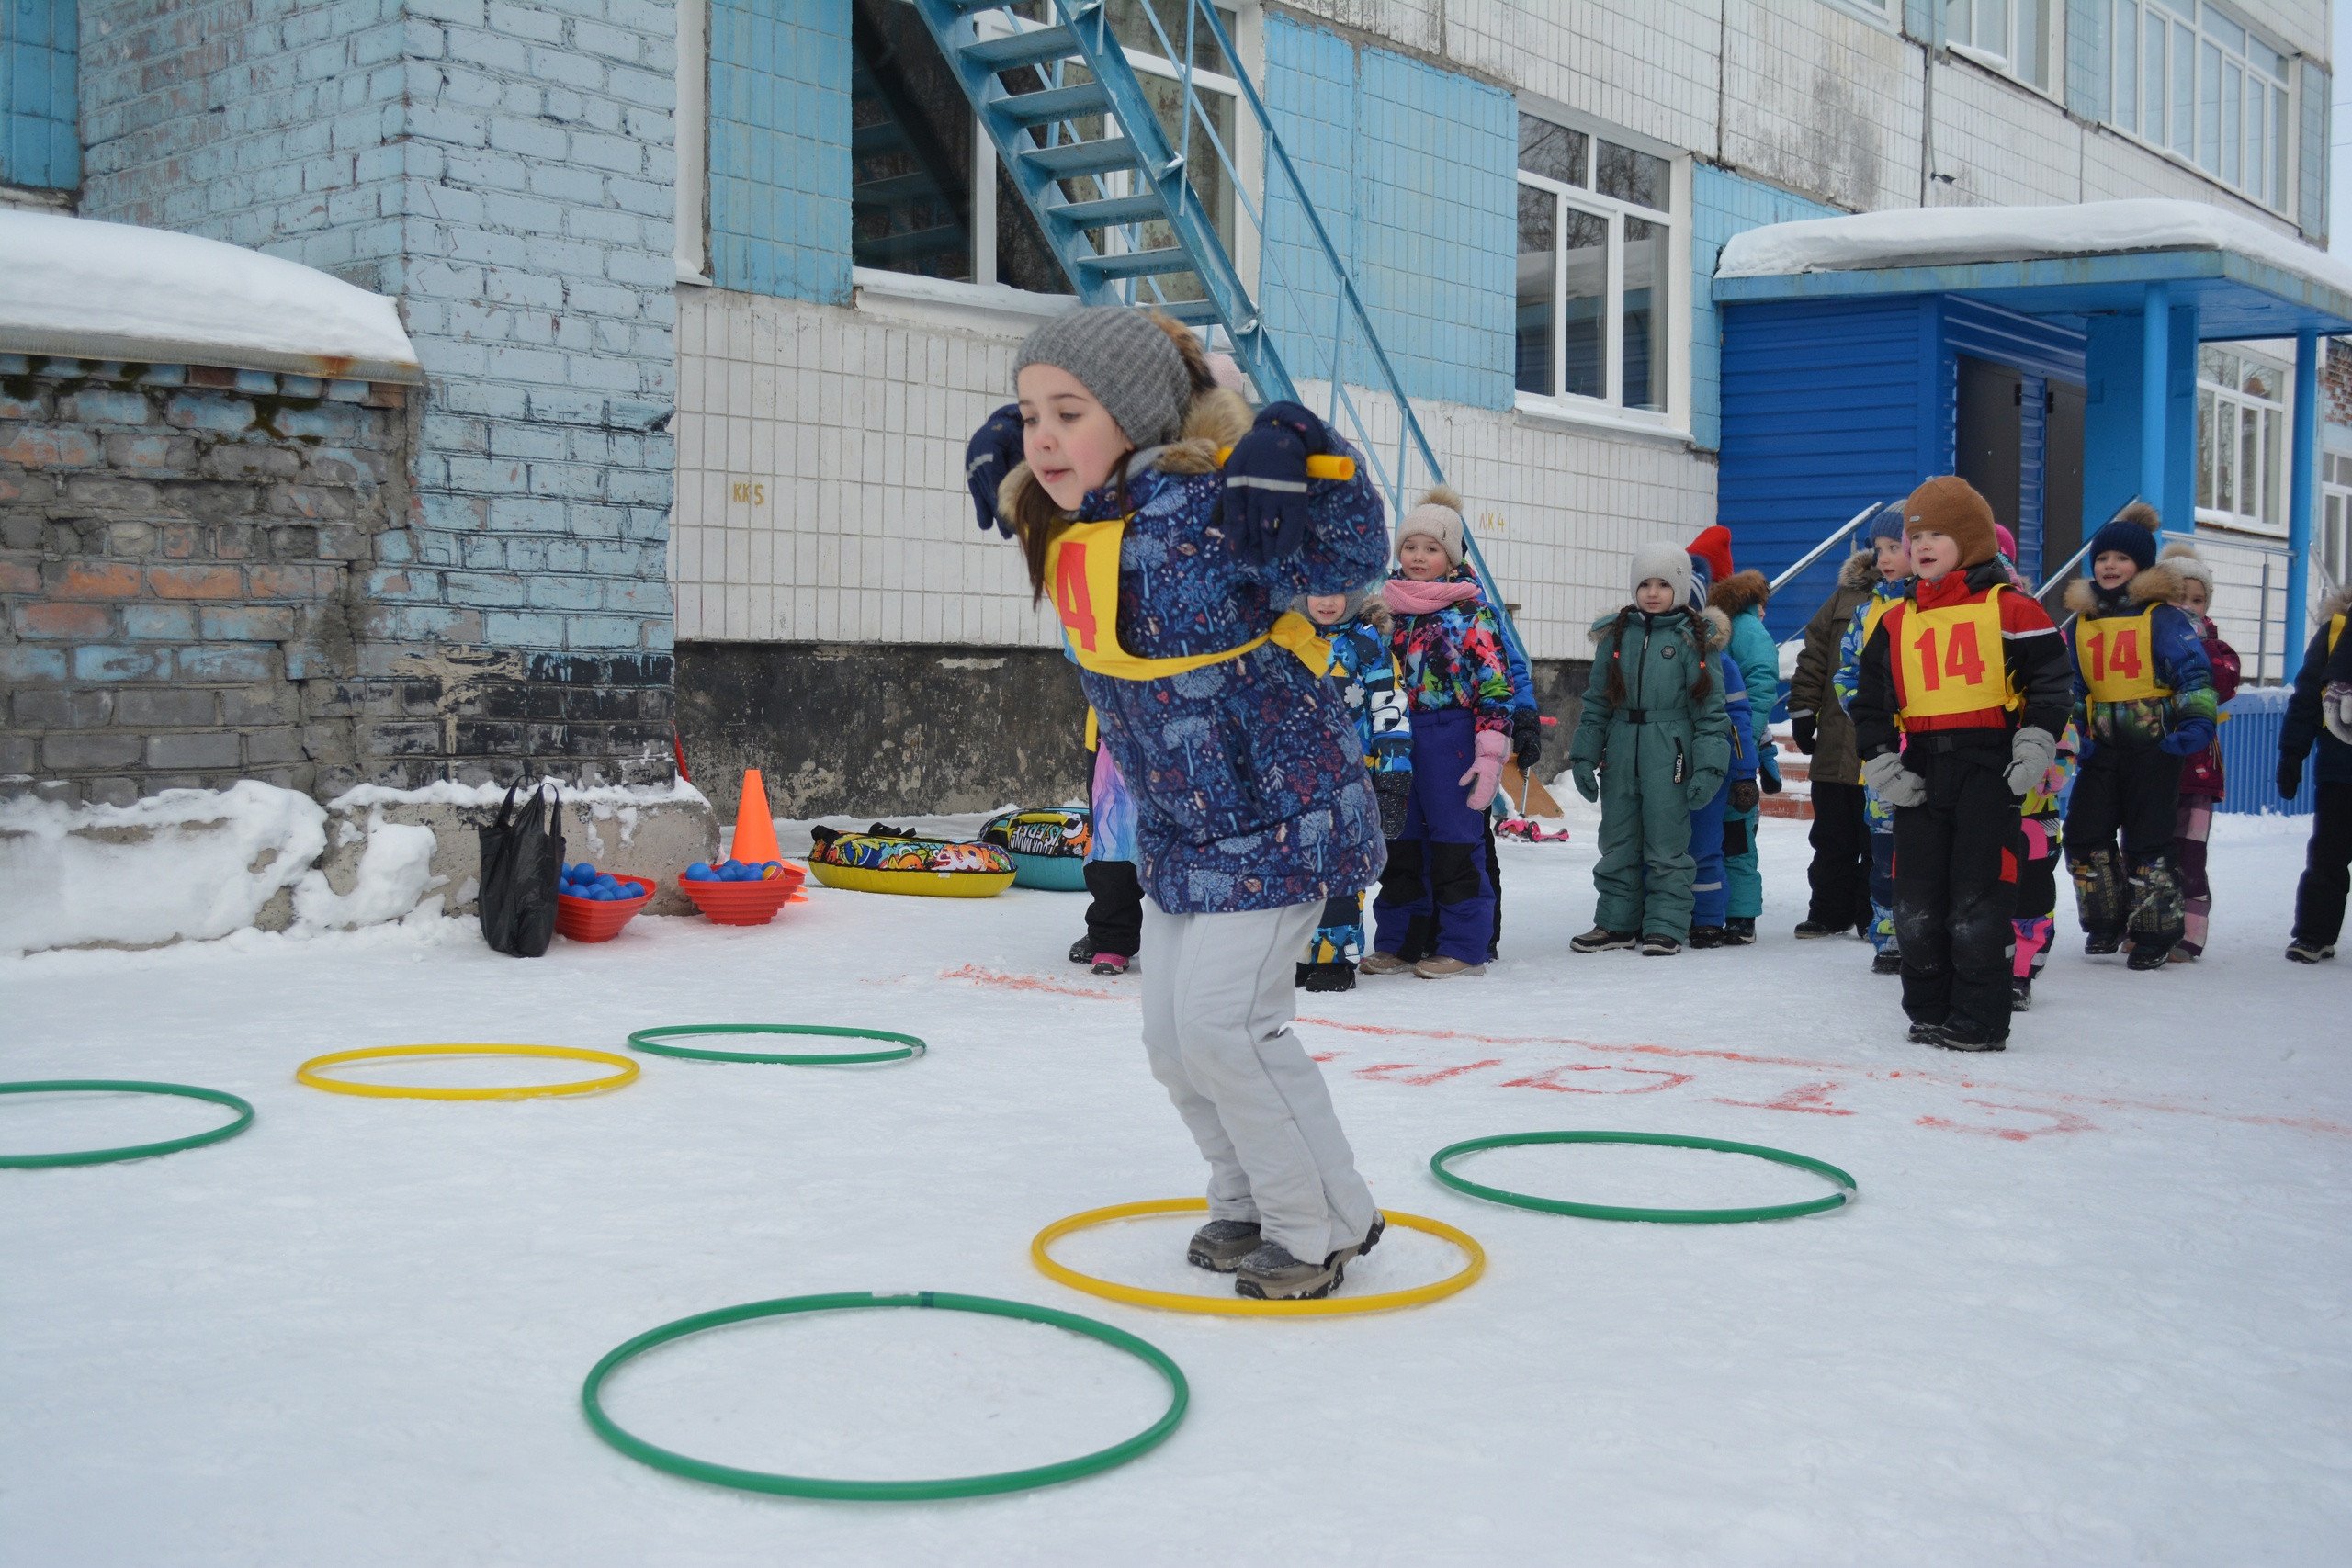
[[1840, 872], [1114, 919], [2327, 869], [1956, 882]]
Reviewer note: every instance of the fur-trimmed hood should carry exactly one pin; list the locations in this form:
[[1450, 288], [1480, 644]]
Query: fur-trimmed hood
[[1718, 627], [1858, 572], [1217, 418], [2336, 603], [1741, 592], [2158, 584]]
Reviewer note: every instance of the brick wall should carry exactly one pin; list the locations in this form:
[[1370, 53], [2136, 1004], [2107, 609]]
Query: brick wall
[[177, 552], [505, 169]]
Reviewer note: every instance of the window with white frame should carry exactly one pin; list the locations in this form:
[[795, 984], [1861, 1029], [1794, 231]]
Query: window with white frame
[[2241, 439], [1596, 229], [2019, 38], [927, 194], [2187, 79], [2334, 546]]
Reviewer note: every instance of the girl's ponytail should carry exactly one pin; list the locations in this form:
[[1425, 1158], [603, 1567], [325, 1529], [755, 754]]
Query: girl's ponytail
[[1705, 682], [1616, 689]]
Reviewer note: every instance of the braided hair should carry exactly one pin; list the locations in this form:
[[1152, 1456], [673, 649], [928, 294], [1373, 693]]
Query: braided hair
[[1692, 622]]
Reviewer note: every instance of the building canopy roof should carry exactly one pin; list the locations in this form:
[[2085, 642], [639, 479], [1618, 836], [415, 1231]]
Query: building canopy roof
[[2246, 280]]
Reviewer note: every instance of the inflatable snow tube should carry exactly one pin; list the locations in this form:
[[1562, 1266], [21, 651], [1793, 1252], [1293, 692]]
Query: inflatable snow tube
[[1048, 846], [889, 859]]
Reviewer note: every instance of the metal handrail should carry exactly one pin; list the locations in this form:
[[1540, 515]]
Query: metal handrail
[[1824, 548]]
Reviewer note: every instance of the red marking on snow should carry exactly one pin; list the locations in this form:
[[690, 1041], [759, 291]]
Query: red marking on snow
[[1386, 1071], [1322, 1055], [2060, 1121], [1548, 1079], [1031, 983], [1813, 1098]]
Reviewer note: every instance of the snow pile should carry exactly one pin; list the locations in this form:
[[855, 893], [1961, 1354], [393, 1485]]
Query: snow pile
[[71, 285], [185, 864], [624, 805], [395, 872], [1948, 236]]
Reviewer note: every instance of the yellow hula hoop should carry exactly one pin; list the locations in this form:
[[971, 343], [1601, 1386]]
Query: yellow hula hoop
[[308, 1073], [1241, 1306]]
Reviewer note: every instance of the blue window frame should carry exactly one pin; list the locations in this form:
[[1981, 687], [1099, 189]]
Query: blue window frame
[[41, 139]]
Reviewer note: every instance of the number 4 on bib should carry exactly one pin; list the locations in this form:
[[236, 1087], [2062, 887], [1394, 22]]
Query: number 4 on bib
[[1072, 599]]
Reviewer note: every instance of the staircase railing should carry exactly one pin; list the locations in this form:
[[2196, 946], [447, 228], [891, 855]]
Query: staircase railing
[[1302, 273], [1844, 531]]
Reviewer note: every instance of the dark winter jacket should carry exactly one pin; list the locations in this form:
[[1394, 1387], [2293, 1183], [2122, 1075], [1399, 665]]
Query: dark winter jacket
[[2322, 667], [2031, 649], [1811, 694], [2179, 654], [1742, 597], [1455, 658], [1249, 782], [2202, 776]]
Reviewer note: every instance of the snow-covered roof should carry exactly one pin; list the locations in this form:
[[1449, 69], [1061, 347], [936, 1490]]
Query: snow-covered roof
[[89, 290], [1949, 236]]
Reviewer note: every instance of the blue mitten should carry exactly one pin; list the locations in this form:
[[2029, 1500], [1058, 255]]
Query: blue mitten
[[994, 452], [1265, 512]]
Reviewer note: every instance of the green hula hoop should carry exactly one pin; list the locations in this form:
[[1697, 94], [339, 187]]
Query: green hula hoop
[[136, 1151], [1180, 1395], [907, 1045], [1660, 1216]]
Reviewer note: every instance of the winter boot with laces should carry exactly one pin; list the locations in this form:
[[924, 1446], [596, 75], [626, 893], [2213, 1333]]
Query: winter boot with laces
[[1221, 1245], [1601, 939], [1270, 1273]]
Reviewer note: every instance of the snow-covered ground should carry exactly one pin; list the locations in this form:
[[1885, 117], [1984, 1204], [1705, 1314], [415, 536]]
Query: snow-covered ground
[[2090, 1308]]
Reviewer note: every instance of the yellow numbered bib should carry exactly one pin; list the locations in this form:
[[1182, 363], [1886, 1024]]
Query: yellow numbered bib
[[1951, 658], [2117, 657], [2334, 631], [1082, 574]]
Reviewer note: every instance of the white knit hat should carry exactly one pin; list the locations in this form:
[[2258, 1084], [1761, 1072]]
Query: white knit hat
[[2182, 556], [1438, 517], [1668, 563]]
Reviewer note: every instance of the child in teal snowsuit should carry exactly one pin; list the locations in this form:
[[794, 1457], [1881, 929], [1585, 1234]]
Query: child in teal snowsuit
[[1743, 597], [1652, 745], [1365, 668], [1712, 890]]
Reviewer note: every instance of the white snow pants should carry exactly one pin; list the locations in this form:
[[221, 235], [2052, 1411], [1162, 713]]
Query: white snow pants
[[1217, 1003]]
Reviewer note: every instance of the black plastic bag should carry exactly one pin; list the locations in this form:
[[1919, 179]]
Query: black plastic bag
[[522, 862]]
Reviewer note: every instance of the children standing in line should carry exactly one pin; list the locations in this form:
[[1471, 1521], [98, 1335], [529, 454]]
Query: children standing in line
[[2145, 704], [1893, 557], [2321, 713], [2202, 783], [1743, 596], [1252, 804], [1652, 737], [1963, 692], [1711, 846], [1363, 667], [1457, 683], [1840, 872]]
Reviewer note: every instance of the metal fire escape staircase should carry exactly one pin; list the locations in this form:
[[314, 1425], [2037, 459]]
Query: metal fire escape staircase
[[1117, 203]]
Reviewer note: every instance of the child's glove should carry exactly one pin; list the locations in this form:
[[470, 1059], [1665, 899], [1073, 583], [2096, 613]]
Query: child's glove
[[1396, 792], [2031, 750], [1526, 739], [1587, 781], [1487, 769], [1744, 797], [1894, 784], [1768, 771], [2184, 742], [2335, 710], [2290, 776], [995, 450], [1265, 510], [1806, 731]]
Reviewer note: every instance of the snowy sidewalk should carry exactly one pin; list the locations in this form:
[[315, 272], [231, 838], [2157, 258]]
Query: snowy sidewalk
[[2090, 1307]]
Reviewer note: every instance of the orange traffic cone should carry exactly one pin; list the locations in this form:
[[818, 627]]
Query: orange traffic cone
[[754, 829]]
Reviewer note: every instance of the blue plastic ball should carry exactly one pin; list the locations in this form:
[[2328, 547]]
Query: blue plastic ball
[[699, 872]]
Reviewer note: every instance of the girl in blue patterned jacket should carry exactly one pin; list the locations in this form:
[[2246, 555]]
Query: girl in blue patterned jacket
[[1365, 668], [1252, 804]]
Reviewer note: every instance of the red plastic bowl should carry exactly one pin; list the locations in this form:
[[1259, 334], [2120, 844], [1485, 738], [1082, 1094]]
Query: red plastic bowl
[[744, 903], [599, 919]]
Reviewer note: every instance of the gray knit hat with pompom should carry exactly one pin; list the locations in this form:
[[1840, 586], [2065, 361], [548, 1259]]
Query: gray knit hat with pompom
[[1126, 360]]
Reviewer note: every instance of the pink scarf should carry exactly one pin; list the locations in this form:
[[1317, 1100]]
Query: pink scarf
[[1407, 597]]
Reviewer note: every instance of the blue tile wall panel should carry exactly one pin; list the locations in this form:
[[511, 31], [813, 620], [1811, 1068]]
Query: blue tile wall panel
[[1821, 415], [1724, 205], [1412, 169], [779, 147], [40, 142]]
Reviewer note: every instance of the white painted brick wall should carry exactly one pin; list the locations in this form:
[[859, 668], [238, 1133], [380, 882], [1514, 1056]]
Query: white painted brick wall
[[1997, 144], [1820, 101]]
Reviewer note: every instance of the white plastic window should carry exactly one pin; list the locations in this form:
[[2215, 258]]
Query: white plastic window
[[2018, 36], [1596, 270], [2185, 78], [2241, 439]]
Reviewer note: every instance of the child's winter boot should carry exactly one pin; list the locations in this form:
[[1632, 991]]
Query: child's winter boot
[[1658, 945], [1335, 975], [2099, 898], [1221, 1245], [1271, 1273], [1444, 968], [2158, 919], [1384, 964], [1709, 936], [1601, 939], [1739, 931]]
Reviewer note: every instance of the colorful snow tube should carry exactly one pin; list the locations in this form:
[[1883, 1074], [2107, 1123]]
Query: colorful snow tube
[[892, 859], [1048, 846]]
